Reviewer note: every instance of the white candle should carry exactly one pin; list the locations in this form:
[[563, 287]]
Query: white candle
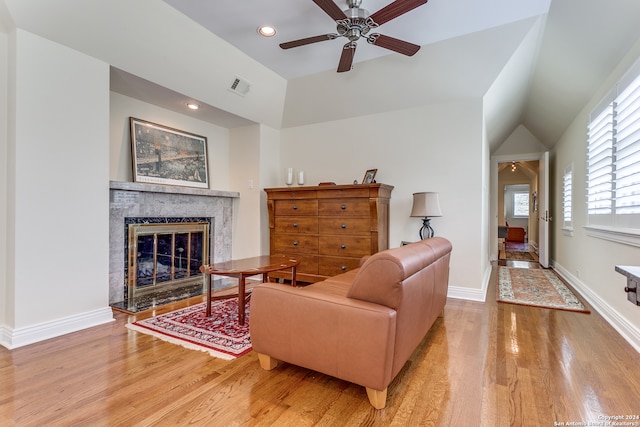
[[289, 176], [301, 178]]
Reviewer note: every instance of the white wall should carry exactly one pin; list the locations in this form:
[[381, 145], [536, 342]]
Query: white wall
[[589, 262], [58, 146], [254, 156], [269, 176], [4, 61], [521, 141], [152, 40], [432, 148], [245, 179]]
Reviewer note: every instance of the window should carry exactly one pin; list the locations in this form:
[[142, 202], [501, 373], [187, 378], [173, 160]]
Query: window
[[521, 204], [613, 162], [567, 183]]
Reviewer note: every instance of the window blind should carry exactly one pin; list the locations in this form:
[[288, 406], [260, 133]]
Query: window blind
[[600, 164], [613, 163], [567, 184], [627, 153]]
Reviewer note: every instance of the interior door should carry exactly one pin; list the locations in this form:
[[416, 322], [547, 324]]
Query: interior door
[[543, 210]]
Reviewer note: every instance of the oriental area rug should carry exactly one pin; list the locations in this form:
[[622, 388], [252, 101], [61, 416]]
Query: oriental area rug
[[519, 256], [536, 287], [220, 335]]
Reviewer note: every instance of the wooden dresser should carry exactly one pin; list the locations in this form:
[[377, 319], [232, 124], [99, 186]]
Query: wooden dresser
[[328, 228]]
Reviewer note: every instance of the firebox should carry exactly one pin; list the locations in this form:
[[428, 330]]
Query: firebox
[[163, 256]]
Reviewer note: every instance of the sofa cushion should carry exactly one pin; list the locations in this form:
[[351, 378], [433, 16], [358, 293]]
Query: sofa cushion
[[380, 278], [336, 285]]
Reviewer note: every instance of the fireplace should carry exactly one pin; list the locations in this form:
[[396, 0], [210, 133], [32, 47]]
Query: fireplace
[[132, 203], [164, 254]]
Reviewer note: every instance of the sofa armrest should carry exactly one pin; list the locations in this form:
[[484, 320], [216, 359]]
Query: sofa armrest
[[338, 336]]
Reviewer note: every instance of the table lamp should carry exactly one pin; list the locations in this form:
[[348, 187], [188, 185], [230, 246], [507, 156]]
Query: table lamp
[[426, 205]]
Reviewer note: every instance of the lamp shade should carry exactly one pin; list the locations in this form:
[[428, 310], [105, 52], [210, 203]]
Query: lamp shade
[[426, 205]]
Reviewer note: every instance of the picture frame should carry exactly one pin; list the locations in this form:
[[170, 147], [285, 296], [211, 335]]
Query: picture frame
[[369, 176], [164, 155]]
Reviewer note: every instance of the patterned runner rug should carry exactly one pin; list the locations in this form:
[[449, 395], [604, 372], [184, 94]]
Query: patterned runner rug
[[535, 287], [220, 335], [519, 256]]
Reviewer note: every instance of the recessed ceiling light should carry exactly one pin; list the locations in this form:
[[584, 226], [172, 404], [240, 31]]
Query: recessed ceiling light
[[193, 105], [266, 31]]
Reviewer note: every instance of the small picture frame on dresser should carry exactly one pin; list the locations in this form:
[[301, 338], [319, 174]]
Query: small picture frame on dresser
[[369, 176]]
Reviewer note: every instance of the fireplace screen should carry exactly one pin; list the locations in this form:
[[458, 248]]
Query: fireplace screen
[[165, 255]]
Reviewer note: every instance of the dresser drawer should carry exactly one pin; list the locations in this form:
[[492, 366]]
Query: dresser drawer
[[344, 226], [294, 244], [350, 246], [293, 194], [344, 193], [343, 207], [293, 224], [296, 207], [331, 266]]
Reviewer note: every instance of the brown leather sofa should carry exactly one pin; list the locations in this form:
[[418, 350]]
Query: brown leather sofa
[[361, 326]]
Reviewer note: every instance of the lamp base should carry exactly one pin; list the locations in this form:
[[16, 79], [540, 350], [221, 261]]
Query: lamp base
[[426, 232]]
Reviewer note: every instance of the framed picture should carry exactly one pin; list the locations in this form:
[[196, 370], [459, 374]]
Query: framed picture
[[369, 176], [162, 155]]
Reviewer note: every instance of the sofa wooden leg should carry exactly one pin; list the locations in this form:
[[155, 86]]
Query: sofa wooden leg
[[377, 398], [267, 362]]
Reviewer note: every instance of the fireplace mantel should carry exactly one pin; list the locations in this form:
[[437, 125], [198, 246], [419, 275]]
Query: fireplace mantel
[[143, 200], [168, 189]]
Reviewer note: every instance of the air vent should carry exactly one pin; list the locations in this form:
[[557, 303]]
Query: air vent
[[240, 86]]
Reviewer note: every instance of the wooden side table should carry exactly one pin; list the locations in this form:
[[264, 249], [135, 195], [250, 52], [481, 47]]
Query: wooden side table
[[243, 268]]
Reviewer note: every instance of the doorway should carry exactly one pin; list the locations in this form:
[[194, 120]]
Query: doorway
[[517, 210]]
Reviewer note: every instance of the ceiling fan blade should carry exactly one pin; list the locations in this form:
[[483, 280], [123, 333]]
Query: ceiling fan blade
[[395, 9], [331, 9], [393, 44], [308, 40], [346, 59]]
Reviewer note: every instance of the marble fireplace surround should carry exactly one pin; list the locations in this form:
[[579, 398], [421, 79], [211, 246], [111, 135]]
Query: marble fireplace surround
[[133, 199]]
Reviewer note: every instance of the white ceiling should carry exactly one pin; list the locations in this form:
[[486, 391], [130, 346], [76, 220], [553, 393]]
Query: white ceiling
[[531, 62], [237, 23], [546, 82]]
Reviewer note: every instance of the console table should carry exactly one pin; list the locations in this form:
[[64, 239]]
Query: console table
[[633, 278]]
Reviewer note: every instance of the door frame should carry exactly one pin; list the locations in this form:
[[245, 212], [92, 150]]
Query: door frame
[[493, 196]]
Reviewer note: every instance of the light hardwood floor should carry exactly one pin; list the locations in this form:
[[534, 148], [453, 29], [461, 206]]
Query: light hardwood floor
[[481, 365]]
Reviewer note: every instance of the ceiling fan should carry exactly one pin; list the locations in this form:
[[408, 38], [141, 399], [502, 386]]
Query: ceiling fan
[[355, 23]]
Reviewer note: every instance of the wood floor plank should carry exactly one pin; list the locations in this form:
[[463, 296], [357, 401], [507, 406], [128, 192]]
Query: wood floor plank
[[483, 364]]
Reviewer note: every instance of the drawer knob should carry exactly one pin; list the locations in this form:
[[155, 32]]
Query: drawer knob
[[295, 224], [295, 243], [295, 207], [344, 226], [343, 207], [343, 246], [343, 268]]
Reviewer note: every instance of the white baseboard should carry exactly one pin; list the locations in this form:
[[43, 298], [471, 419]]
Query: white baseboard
[[628, 331], [458, 292], [14, 338]]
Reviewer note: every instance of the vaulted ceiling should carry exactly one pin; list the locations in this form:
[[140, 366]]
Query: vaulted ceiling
[[535, 62], [530, 62]]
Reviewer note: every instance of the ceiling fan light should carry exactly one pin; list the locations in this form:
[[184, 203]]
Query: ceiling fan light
[[266, 31]]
